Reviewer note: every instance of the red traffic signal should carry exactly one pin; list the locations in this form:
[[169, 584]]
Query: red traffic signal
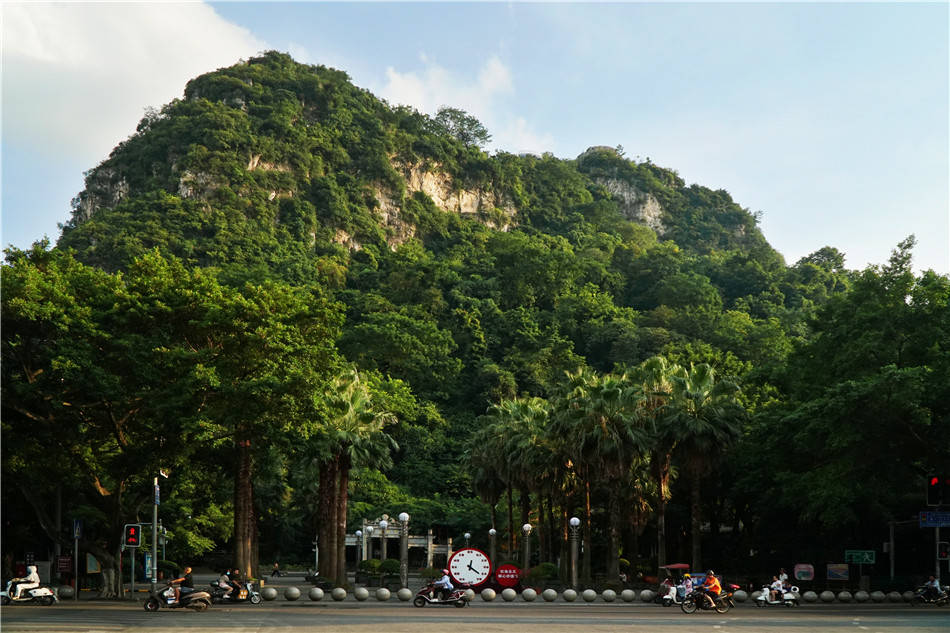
[[935, 487], [943, 550], [133, 535]]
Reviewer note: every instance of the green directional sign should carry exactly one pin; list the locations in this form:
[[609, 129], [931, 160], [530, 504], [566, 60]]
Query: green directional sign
[[860, 556]]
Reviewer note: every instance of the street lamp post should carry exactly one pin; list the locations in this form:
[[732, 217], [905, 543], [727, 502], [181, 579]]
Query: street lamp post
[[382, 536], [575, 529], [359, 547], [468, 535], [369, 541], [526, 528], [403, 549], [491, 548]]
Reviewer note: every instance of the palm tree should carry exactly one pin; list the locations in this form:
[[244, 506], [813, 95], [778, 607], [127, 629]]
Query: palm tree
[[353, 435], [601, 426], [654, 375], [711, 419]]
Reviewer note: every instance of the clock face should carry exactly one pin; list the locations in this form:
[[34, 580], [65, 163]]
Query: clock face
[[470, 566]]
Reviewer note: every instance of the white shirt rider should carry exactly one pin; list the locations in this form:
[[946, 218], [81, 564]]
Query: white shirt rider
[[776, 589], [444, 583], [30, 581]]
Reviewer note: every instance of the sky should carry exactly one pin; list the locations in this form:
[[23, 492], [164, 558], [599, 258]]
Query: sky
[[830, 120]]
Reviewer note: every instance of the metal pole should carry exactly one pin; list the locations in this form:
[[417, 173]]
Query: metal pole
[[382, 543], [132, 579], [574, 558], [404, 551], [890, 549], [527, 546], [491, 537], [75, 562], [154, 537], [937, 553]]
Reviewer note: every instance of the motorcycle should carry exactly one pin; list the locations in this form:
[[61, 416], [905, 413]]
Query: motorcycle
[[165, 599], [245, 594], [923, 596], [789, 597], [40, 595], [697, 600], [430, 595]]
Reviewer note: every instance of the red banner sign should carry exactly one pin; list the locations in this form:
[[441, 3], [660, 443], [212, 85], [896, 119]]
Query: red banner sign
[[64, 563], [507, 575]]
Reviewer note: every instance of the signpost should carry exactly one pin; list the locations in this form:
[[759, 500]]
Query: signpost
[[860, 556]]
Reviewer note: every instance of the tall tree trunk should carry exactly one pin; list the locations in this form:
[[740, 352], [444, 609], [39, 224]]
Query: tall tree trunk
[[542, 527], [552, 530], [511, 522], [344, 481], [244, 520], [585, 564], [324, 514], [662, 475], [333, 489], [696, 512], [613, 529]]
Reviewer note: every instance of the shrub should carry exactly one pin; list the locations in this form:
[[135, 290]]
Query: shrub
[[370, 565], [430, 573], [390, 566]]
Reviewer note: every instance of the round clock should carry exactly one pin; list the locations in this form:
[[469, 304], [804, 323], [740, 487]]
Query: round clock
[[470, 566]]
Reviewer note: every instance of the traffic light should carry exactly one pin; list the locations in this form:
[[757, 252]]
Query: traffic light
[[935, 486], [943, 550], [133, 535]]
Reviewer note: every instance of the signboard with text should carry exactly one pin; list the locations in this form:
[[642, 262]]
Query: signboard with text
[[837, 571], [934, 519], [507, 575], [64, 564], [860, 556], [804, 571]]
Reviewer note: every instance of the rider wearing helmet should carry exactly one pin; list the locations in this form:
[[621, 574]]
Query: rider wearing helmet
[[687, 585], [444, 584], [30, 581], [712, 587]]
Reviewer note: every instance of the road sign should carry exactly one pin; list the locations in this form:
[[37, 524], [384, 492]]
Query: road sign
[[934, 519], [77, 528], [861, 556]]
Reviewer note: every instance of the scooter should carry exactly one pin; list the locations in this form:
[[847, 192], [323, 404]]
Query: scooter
[[789, 598], [429, 595], [923, 596], [670, 594], [245, 594], [40, 595], [165, 599]]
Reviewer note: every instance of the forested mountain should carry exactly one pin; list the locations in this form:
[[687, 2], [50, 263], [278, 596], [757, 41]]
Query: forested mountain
[[283, 284]]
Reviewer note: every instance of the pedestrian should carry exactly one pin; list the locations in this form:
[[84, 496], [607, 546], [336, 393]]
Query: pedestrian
[[276, 571]]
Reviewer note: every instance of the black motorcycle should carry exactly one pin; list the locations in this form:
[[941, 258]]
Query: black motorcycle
[[189, 599], [247, 593], [928, 595], [697, 600]]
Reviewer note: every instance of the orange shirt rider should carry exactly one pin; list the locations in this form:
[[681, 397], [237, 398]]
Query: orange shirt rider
[[711, 586]]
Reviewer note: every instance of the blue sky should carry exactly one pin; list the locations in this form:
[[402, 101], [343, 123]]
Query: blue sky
[[829, 119]]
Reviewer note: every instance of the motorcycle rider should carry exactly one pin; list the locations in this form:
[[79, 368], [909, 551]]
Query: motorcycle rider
[[711, 587], [225, 583], [185, 581], [687, 585], [444, 584], [30, 581], [775, 588], [931, 588]]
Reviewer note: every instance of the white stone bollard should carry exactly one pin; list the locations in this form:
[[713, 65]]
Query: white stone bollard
[[740, 596], [291, 593], [404, 594], [569, 595], [628, 595], [589, 595], [383, 594], [469, 595], [878, 596], [908, 596], [549, 595], [894, 596], [810, 596], [361, 593], [269, 593], [529, 595], [861, 596], [647, 595], [315, 594], [844, 596], [509, 594], [338, 594], [488, 594], [827, 596], [609, 595]]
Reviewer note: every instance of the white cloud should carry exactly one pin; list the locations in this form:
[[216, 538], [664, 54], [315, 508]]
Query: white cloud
[[77, 77], [482, 96]]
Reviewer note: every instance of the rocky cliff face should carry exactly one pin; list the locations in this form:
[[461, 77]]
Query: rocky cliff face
[[634, 204]]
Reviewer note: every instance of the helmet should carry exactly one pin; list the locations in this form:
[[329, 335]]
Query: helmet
[[445, 571], [686, 576], [710, 573]]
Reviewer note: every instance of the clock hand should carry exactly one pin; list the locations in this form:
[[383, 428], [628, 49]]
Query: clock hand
[[470, 566]]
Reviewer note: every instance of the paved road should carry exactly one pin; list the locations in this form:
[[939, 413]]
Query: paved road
[[478, 617]]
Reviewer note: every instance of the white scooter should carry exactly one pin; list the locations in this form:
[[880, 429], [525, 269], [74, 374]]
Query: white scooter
[[675, 594], [41, 595], [789, 597]]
